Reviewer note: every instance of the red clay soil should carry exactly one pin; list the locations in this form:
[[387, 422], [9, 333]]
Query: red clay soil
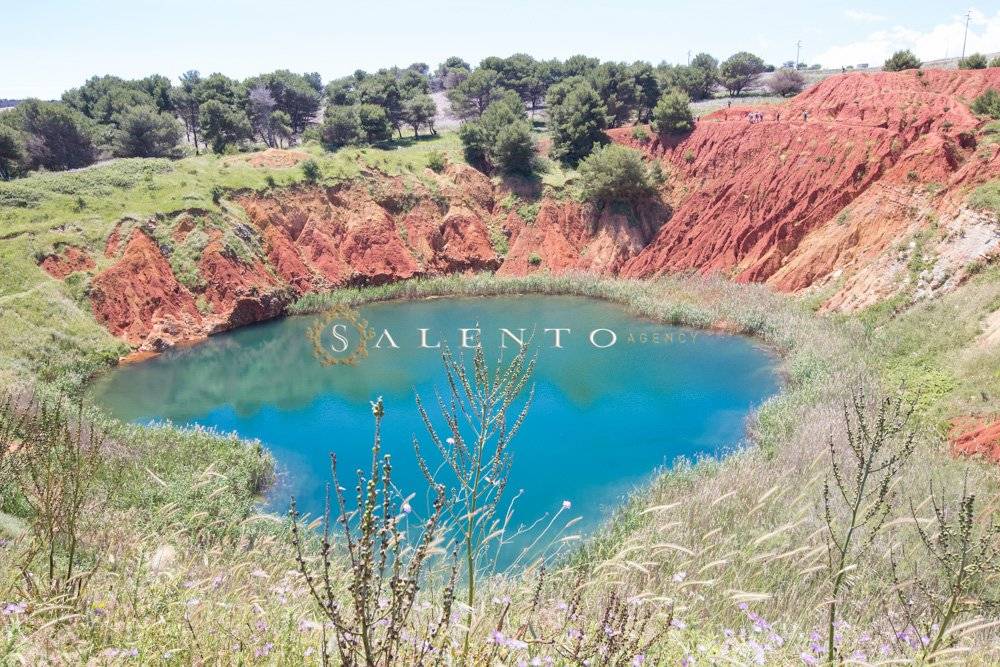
[[976, 439], [765, 196], [69, 261], [139, 300], [820, 192], [566, 236]]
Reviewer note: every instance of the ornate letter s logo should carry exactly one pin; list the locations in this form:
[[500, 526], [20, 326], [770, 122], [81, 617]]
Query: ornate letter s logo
[[339, 319]]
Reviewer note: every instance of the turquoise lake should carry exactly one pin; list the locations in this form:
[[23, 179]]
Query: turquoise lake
[[603, 420]]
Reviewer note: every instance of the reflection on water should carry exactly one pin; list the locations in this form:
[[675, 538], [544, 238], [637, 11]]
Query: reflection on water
[[601, 421]]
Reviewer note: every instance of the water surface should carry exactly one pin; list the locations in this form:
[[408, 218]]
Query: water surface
[[602, 420]]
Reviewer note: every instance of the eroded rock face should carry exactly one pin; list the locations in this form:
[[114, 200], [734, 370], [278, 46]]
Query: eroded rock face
[[818, 193], [837, 189], [70, 260], [567, 236], [140, 301]]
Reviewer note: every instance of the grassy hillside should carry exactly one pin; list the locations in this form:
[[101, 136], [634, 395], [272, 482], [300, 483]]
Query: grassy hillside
[[722, 561]]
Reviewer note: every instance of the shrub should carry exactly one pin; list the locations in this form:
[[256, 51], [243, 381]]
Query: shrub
[[995, 62], [901, 60], [501, 138], [615, 173], [437, 161], [311, 171], [786, 82], [656, 173], [672, 114], [341, 126], [144, 132], [514, 149], [973, 61], [374, 123], [987, 104], [534, 259], [640, 134], [529, 212]]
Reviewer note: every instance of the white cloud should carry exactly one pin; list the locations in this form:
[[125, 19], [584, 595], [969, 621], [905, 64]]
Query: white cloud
[[863, 17], [941, 41]]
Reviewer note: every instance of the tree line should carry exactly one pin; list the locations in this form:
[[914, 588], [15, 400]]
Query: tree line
[[155, 117], [583, 97]]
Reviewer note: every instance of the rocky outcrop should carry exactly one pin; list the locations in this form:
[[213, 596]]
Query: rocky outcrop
[[566, 236], [821, 190], [140, 301], [70, 260]]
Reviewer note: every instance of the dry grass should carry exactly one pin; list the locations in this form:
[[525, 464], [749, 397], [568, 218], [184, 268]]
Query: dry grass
[[722, 561]]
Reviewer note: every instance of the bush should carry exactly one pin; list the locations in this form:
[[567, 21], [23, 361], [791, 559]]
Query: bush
[[640, 134], [987, 104], [786, 82], [514, 149], [615, 173], [341, 126], [501, 138], [374, 123], [144, 132], [973, 61], [534, 259], [995, 62], [311, 171], [672, 114], [901, 60], [695, 80], [437, 161]]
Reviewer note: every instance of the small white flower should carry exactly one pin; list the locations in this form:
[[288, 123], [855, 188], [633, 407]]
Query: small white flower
[[406, 507], [450, 441], [566, 504]]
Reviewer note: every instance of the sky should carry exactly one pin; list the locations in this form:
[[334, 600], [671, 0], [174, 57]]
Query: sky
[[53, 45]]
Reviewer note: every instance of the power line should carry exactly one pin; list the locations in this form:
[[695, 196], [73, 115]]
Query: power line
[[968, 15]]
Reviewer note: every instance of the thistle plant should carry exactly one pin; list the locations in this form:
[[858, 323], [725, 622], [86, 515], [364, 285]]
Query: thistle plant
[[60, 458], [861, 495], [385, 566], [965, 553], [481, 421]]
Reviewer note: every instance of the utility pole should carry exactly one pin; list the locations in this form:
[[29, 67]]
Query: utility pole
[[689, 56], [798, 48], [968, 15]]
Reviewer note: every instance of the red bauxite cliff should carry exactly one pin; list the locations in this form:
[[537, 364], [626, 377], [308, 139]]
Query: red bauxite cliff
[[820, 190], [835, 189]]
